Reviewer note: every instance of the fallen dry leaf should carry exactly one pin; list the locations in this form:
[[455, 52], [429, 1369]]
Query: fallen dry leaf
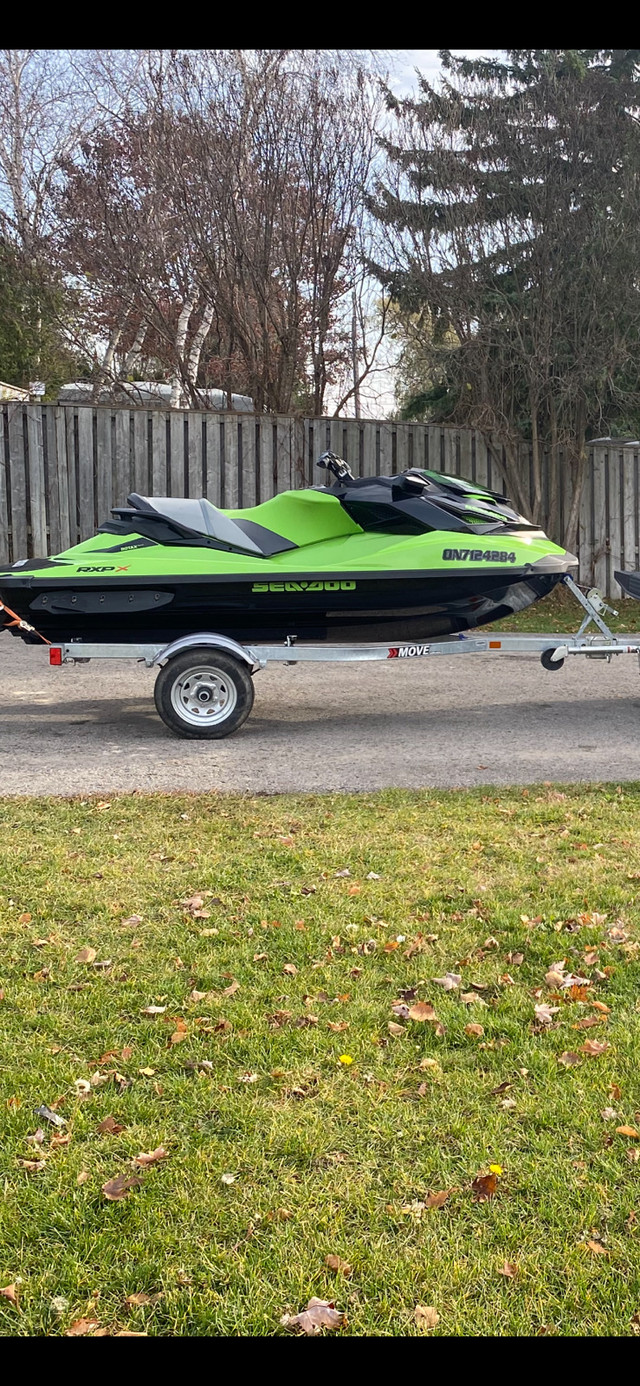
[[594, 1047], [338, 1026], [484, 1186], [119, 1187], [10, 1292], [86, 955], [80, 1327], [508, 1269], [474, 1030], [569, 1058], [83, 1176], [600, 1006], [319, 1314], [227, 1178], [628, 1131], [450, 981], [110, 1127], [32, 1166], [180, 1032], [291, 971], [426, 1317], [597, 1248], [544, 1014], [395, 1029], [139, 1299], [153, 1010], [232, 989], [151, 1157], [335, 1263], [437, 1200], [471, 998], [428, 1063], [422, 1010]]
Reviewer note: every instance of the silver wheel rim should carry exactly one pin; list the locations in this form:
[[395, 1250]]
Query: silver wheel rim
[[203, 697]]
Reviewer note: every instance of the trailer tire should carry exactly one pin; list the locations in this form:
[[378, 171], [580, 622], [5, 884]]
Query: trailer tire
[[204, 694], [548, 663]]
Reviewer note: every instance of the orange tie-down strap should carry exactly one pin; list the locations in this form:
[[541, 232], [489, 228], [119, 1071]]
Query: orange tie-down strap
[[22, 625]]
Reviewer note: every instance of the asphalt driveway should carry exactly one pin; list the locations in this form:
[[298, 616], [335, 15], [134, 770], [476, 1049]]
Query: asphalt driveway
[[498, 719]]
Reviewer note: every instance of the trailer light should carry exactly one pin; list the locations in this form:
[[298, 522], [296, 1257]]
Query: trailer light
[[55, 655], [495, 644]]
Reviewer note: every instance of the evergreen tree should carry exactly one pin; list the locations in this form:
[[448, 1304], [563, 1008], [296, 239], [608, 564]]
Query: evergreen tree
[[511, 204]]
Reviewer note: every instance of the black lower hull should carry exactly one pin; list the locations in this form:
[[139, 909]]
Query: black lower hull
[[630, 583], [403, 606]]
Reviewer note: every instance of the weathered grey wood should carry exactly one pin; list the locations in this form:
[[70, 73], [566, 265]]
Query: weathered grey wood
[[309, 450], [195, 421], [104, 468], [142, 483], [86, 496], [600, 567], [121, 461], [37, 505], [213, 490], [629, 510], [353, 445], [370, 447], [298, 477], [247, 472], [63, 477], [51, 480], [283, 453], [386, 449], [18, 479], [266, 459], [70, 429], [5, 554], [585, 546], [466, 465], [402, 446], [159, 470], [176, 439], [230, 501], [482, 465], [615, 515], [336, 427]]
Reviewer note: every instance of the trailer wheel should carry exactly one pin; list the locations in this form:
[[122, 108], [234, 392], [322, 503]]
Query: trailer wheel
[[549, 663], [204, 694]]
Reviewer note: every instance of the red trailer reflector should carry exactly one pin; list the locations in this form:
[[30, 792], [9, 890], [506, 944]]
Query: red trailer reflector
[[55, 654], [495, 644]]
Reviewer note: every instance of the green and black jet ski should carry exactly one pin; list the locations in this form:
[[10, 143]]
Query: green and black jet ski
[[406, 557]]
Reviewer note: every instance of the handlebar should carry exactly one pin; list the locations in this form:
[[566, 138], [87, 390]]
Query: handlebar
[[330, 462]]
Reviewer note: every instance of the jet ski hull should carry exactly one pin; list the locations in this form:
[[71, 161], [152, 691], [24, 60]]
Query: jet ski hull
[[343, 608]]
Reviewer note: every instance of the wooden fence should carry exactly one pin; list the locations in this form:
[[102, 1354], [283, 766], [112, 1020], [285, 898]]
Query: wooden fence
[[62, 468]]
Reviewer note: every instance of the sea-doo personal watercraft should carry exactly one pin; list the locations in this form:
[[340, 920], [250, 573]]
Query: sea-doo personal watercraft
[[412, 556]]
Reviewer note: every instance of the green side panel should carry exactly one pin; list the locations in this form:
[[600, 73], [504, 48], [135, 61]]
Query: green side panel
[[303, 517]]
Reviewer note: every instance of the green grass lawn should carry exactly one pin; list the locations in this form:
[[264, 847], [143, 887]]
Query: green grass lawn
[[561, 612], [334, 1128]]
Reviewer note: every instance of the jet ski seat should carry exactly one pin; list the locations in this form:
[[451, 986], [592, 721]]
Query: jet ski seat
[[199, 516]]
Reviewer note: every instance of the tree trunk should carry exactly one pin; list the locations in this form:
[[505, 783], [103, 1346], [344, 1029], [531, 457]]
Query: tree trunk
[[179, 346], [106, 370], [555, 478], [536, 505], [133, 355], [199, 339]]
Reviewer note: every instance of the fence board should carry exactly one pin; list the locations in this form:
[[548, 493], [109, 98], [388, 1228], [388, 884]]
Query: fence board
[[18, 480], [386, 449], [213, 482], [266, 460], [194, 422], [402, 446], [247, 471], [86, 497], [599, 517], [370, 449], [159, 470], [283, 454], [37, 508], [71, 475], [629, 462], [616, 518], [142, 482], [176, 448], [585, 545], [5, 555], [352, 450], [63, 478], [230, 487], [104, 472]]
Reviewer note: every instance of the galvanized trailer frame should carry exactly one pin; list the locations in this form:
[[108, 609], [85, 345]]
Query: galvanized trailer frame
[[205, 720]]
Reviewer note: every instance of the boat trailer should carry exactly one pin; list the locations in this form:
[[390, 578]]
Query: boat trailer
[[204, 688]]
